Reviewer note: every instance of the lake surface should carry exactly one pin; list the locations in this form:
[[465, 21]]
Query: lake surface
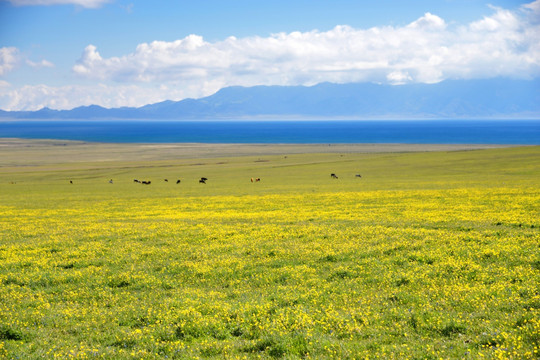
[[525, 132]]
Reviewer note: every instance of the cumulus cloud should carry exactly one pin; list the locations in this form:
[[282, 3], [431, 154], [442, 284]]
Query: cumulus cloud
[[92, 4], [428, 21], [426, 50], [9, 58]]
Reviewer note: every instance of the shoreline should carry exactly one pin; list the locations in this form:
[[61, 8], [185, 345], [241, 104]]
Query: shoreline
[[17, 151]]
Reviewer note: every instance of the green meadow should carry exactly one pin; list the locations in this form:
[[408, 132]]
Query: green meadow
[[427, 255]]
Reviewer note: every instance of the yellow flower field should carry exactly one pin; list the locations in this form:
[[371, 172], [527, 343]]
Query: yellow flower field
[[392, 273]]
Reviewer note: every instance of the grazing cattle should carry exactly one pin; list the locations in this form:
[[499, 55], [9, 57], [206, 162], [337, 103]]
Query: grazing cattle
[[146, 182], [137, 181], [251, 179], [202, 181], [166, 180], [334, 176], [257, 179], [178, 181], [110, 181], [358, 175], [203, 178], [70, 181]]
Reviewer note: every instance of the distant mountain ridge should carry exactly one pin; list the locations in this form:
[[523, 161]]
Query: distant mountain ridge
[[492, 98]]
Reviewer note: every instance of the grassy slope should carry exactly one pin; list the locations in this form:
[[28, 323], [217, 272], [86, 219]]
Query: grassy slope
[[297, 172], [427, 255]]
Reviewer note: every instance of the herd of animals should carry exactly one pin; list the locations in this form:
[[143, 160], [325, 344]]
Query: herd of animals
[[203, 180]]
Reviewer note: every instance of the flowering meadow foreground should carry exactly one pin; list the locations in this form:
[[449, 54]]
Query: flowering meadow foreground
[[425, 256]]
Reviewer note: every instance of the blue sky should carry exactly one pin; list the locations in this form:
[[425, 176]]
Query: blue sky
[[67, 53]]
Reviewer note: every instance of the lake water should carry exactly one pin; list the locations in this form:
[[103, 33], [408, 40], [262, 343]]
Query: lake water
[[526, 132]]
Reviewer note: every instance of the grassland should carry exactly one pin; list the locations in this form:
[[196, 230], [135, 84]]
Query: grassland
[[429, 255]]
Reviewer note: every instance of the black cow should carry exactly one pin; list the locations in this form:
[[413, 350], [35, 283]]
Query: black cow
[[334, 176], [178, 181]]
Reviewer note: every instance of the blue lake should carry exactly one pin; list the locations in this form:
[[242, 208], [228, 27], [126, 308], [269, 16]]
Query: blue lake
[[526, 132]]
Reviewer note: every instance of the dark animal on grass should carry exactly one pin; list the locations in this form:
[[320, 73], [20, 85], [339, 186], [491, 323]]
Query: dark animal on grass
[[70, 181], [146, 182], [166, 180], [334, 176], [257, 179], [110, 181], [137, 181], [202, 181], [203, 178], [178, 181], [358, 175]]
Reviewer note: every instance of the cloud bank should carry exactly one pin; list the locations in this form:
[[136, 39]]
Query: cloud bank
[[428, 50], [35, 97]]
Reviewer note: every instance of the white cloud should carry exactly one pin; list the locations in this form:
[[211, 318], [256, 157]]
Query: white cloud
[[84, 3], [43, 63], [398, 77], [9, 58], [534, 7], [427, 50], [428, 21], [35, 97]]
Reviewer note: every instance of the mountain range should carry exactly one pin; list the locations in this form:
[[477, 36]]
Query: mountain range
[[489, 98]]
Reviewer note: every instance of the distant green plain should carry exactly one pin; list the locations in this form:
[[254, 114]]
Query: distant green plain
[[431, 252]]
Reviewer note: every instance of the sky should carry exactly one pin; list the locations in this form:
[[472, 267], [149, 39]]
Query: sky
[[63, 54]]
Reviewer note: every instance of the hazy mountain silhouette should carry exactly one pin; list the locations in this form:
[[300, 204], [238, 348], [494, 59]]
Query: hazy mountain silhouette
[[490, 98]]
